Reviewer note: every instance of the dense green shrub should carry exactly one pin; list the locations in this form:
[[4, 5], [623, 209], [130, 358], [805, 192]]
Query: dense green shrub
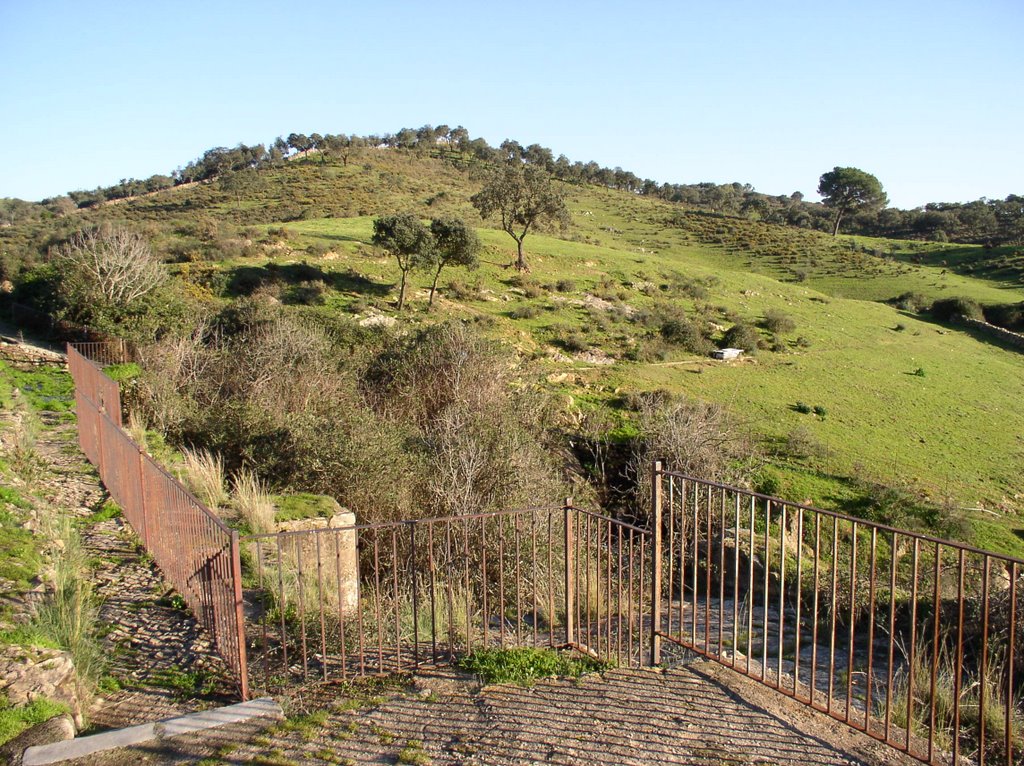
[[742, 335], [947, 309], [687, 333], [778, 322], [911, 301]]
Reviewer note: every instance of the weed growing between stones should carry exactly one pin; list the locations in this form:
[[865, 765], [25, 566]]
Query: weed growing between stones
[[525, 666]]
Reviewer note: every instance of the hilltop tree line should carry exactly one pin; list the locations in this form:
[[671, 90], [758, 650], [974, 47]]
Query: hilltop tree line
[[983, 221]]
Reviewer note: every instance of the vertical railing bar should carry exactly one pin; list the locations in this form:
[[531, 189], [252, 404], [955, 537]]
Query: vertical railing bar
[[579, 563], [501, 581], [912, 649], [721, 576], [397, 597], [551, 579], [833, 609], [432, 566], [629, 593], [608, 588], [341, 605], [1010, 644], [264, 629], [696, 557], [619, 600], [452, 573], [750, 586], [414, 583], [598, 592], [983, 675], [853, 619], [782, 593], [708, 505], [892, 635], [936, 608], [282, 606], [767, 568], [320, 596], [534, 590], [799, 598], [302, 606], [870, 677], [958, 678], [519, 603], [735, 577], [640, 596], [656, 527], [571, 571], [814, 624], [588, 609], [469, 612], [671, 545], [376, 601], [486, 615]]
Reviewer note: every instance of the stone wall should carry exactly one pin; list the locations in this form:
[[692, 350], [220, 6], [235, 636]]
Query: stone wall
[[1009, 337]]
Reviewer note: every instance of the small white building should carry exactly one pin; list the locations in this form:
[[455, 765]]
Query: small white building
[[727, 353]]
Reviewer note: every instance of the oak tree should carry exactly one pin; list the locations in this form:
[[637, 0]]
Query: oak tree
[[521, 196], [455, 244], [408, 240]]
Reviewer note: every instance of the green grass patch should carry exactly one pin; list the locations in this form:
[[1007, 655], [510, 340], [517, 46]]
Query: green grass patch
[[109, 510], [414, 754], [20, 557], [14, 720], [47, 388], [526, 666], [123, 373], [303, 505], [11, 496], [28, 635]]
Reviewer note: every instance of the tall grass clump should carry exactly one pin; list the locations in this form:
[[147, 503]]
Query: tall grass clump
[[971, 723], [253, 501], [204, 474], [69, 617]]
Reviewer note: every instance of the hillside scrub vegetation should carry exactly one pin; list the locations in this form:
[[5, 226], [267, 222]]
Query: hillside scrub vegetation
[[272, 270], [403, 427]]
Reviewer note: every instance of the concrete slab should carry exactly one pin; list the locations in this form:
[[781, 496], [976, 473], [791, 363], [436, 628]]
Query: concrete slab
[[41, 755]]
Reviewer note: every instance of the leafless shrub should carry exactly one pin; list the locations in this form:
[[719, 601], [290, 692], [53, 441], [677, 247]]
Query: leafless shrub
[[112, 263], [696, 438]]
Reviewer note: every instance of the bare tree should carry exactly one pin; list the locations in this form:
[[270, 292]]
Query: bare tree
[[111, 263]]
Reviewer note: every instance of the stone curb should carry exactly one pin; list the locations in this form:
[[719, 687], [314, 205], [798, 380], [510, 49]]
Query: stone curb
[[264, 707]]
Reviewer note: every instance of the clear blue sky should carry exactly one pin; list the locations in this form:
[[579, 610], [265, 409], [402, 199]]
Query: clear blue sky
[[928, 96]]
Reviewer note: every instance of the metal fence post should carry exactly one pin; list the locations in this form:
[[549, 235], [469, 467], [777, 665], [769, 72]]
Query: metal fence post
[[656, 503], [570, 584], [143, 498], [236, 577]]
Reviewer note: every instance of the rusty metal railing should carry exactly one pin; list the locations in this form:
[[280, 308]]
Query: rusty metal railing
[[337, 603], [909, 638], [197, 552]]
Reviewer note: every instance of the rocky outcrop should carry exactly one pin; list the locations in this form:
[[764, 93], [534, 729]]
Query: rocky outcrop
[[31, 673], [59, 729]]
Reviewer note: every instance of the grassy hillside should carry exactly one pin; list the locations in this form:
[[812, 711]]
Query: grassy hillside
[[900, 401]]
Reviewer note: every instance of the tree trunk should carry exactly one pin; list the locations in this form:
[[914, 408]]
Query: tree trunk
[[520, 258], [835, 229], [401, 292], [433, 285]]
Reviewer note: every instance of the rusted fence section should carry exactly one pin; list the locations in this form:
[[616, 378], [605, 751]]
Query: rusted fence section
[[337, 603], [911, 639], [198, 553]]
